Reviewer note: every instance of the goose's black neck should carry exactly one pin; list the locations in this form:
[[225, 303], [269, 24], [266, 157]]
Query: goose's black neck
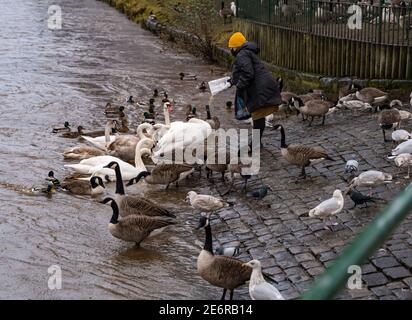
[[119, 181], [208, 241], [115, 216], [283, 138]]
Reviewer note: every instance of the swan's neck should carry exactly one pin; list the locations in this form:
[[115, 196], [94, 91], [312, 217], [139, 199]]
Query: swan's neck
[[119, 181], [115, 216], [140, 129], [283, 138], [107, 131], [138, 158], [208, 240], [167, 117]]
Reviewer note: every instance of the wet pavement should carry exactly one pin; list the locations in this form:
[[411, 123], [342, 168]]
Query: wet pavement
[[48, 77]]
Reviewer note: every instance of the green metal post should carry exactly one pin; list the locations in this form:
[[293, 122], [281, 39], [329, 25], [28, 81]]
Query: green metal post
[[371, 238]]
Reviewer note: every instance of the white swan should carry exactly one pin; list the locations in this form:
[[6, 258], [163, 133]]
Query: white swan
[[95, 165], [103, 141]]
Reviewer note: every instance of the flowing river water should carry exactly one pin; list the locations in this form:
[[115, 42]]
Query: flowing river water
[[48, 77]]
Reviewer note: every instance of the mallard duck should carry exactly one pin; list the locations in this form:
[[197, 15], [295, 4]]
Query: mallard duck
[[202, 87], [66, 128], [185, 76], [73, 134], [299, 154], [134, 228]]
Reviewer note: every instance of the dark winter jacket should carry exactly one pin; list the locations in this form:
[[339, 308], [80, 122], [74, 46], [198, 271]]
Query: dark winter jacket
[[253, 79]]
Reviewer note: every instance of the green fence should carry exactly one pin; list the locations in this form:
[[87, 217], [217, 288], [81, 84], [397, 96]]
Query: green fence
[[362, 40]]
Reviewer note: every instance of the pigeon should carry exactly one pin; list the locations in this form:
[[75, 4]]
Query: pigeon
[[359, 198], [259, 289], [228, 251], [351, 166], [260, 193]]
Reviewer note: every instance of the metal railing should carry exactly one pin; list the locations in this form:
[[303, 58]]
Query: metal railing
[[369, 21], [328, 284]]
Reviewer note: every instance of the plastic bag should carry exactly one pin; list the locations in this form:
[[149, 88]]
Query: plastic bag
[[219, 85], [241, 111]]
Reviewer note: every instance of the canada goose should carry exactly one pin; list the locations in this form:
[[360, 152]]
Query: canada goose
[[396, 104], [225, 13], [219, 162], [206, 203], [165, 97], [213, 121], [299, 154], [221, 271], [134, 228], [371, 178], [311, 96], [400, 135], [82, 152], [166, 173], [259, 289], [404, 160], [73, 134], [371, 95], [130, 205], [329, 207], [190, 77], [83, 187], [66, 128], [389, 119], [405, 115], [312, 108]]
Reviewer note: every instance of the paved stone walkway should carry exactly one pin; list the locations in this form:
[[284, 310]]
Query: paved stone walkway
[[296, 248]]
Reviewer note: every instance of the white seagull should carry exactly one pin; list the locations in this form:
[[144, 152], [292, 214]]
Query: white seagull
[[371, 178], [404, 160], [206, 203], [259, 289], [329, 207]]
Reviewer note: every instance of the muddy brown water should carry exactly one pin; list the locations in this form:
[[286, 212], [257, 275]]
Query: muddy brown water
[[48, 77]]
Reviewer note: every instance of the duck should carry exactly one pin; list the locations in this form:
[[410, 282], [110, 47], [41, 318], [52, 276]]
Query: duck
[[313, 108], [371, 178], [51, 178], [111, 110], [165, 174], [155, 93], [123, 123], [404, 147], [190, 77], [202, 87], [299, 154], [400, 135], [66, 128], [213, 121], [259, 289], [329, 207], [190, 112], [148, 118], [95, 165], [130, 100], [229, 105], [221, 271], [206, 203], [134, 228], [311, 96], [389, 119], [92, 187], [73, 134], [47, 191], [404, 160], [82, 152], [135, 205]]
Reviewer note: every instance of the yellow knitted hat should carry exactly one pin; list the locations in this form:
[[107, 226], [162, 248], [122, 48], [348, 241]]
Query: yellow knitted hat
[[237, 40]]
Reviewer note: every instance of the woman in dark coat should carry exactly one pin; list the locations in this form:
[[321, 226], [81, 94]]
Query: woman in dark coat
[[254, 83]]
